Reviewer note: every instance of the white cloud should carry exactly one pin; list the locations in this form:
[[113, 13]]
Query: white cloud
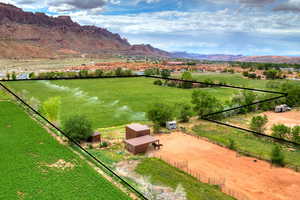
[[290, 5]]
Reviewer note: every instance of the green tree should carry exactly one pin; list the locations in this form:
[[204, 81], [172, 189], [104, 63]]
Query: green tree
[[160, 113], [277, 156], [187, 76], [280, 131], [83, 73], [165, 73], [51, 109], [272, 74], [204, 103], [14, 76], [8, 76], [185, 113], [296, 134], [78, 127], [32, 75], [119, 71], [98, 73], [158, 82], [258, 123]]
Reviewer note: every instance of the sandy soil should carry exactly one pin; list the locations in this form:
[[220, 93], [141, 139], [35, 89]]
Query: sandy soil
[[291, 118], [257, 180]]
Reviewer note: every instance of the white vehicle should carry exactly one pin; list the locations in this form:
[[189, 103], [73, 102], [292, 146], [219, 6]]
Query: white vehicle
[[282, 108], [171, 125]]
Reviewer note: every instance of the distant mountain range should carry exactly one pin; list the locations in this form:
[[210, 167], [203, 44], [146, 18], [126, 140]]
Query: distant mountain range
[[241, 58], [26, 34], [36, 35]]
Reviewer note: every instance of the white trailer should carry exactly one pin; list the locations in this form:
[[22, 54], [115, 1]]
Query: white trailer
[[171, 125]]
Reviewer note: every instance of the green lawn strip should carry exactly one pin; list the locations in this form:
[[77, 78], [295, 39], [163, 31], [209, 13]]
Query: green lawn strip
[[27, 150], [246, 142], [162, 173], [109, 102]]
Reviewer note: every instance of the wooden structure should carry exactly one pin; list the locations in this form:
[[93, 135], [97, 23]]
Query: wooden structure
[[96, 137], [136, 130], [141, 144]]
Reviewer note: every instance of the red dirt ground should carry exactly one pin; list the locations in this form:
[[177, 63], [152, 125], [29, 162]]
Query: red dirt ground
[[291, 118], [257, 180]]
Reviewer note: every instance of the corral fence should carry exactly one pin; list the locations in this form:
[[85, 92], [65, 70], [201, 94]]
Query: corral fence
[[203, 177]]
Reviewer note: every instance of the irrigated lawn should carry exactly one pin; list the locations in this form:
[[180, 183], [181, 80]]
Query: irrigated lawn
[[163, 174], [109, 102], [246, 142], [27, 164]]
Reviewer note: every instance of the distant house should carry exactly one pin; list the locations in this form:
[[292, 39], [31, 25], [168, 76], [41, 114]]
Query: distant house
[[23, 76]]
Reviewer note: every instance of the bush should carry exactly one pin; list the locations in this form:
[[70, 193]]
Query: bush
[[280, 131], [103, 144], [232, 144], [78, 127], [296, 134], [158, 82], [258, 123], [277, 156], [185, 113], [187, 76], [51, 109], [160, 113]]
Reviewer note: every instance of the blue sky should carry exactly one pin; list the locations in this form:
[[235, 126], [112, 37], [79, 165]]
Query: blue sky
[[248, 27]]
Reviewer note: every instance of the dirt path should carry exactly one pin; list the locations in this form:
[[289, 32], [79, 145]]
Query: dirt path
[[291, 118], [257, 180]]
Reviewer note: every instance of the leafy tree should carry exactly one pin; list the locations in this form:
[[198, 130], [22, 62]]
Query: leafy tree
[[277, 156], [14, 76], [160, 113], [50, 108], [185, 113], [32, 75], [119, 71], [165, 73], [258, 123], [293, 90], [296, 134], [8, 76], [98, 73], [158, 82], [244, 98], [78, 127], [232, 144], [83, 73], [188, 77], [272, 74], [280, 131], [127, 72], [204, 103]]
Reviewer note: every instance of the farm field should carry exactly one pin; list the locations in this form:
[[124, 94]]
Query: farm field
[[35, 166], [235, 80], [109, 102]]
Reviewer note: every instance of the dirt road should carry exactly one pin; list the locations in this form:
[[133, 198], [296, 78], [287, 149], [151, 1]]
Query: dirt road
[[257, 180]]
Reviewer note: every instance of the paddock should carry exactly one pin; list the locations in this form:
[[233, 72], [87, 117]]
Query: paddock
[[255, 179]]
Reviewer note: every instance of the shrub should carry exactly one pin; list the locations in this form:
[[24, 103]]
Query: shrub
[[232, 144], [187, 76], [277, 156], [280, 131], [103, 144], [160, 113], [258, 123], [158, 82], [78, 127], [98, 73], [185, 113], [51, 109], [296, 134], [14, 76], [32, 75]]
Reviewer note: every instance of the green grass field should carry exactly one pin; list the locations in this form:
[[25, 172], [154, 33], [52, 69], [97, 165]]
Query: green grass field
[[28, 153], [164, 174], [109, 102]]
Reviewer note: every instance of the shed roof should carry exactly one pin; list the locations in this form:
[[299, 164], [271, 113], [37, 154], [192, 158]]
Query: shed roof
[[96, 134], [147, 139], [138, 127]]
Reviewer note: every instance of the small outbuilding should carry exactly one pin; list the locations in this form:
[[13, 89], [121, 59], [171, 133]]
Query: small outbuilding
[[141, 144], [136, 130], [282, 108], [96, 137]]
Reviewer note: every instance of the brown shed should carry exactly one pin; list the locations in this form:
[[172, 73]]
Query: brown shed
[[96, 137], [140, 144], [136, 130]]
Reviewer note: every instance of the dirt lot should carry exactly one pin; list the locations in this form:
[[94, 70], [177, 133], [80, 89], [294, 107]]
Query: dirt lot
[[257, 180], [291, 118]]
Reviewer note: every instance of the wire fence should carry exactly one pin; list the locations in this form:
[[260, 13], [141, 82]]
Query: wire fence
[[203, 177]]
